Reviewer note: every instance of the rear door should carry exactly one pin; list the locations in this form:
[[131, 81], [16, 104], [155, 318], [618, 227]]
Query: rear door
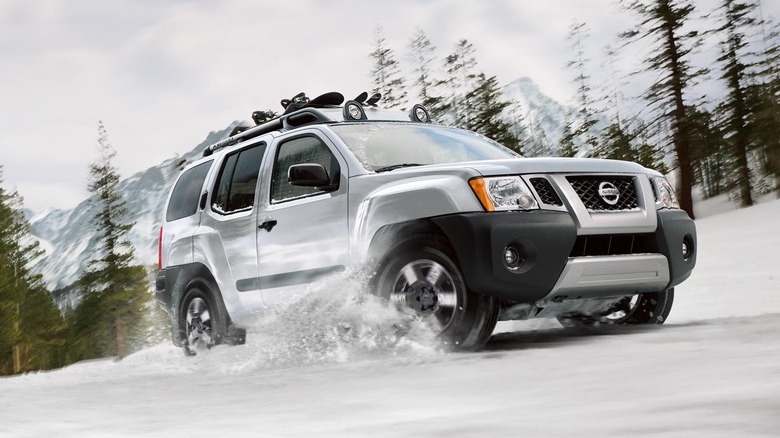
[[229, 225], [303, 234]]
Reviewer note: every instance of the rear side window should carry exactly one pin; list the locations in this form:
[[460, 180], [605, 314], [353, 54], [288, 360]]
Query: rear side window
[[298, 151], [237, 180], [184, 199]]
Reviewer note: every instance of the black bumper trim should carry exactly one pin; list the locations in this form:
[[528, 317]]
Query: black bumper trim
[[545, 240], [674, 227], [286, 279], [162, 288]]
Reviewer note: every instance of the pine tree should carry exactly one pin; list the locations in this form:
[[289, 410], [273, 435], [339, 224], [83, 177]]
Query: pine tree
[[485, 113], [646, 152], [735, 108], [536, 143], [613, 96], [616, 144], [711, 157], [567, 148], [621, 141], [765, 120], [112, 312], [460, 67], [765, 99], [578, 33], [662, 22], [33, 328], [422, 54], [386, 73]]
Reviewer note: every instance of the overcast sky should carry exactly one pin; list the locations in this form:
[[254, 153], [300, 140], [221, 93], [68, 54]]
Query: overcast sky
[[161, 74]]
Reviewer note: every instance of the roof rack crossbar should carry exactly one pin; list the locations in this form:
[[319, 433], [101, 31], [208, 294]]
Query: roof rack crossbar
[[270, 126], [295, 119]]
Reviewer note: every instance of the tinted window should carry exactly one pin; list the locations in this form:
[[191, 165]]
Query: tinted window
[[298, 151], [186, 193], [237, 180]]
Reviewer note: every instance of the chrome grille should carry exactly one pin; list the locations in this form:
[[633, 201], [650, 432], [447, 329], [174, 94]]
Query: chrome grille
[[587, 188], [545, 191]]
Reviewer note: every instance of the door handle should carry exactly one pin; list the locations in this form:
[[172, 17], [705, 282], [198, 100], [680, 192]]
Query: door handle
[[268, 225]]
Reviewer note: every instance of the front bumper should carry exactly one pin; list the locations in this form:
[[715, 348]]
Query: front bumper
[[555, 266]]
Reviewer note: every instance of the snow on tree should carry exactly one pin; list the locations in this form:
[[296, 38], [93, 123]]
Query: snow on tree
[[422, 54], [386, 73]]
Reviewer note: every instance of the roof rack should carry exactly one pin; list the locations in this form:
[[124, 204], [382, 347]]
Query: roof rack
[[301, 111]]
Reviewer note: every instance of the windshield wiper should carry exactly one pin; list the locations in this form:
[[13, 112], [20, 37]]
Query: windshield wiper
[[395, 166]]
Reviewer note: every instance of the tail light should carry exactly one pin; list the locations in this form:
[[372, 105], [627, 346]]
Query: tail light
[[159, 250]]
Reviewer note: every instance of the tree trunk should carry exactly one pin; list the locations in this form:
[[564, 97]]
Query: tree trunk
[[16, 350], [17, 355], [119, 329], [681, 127]]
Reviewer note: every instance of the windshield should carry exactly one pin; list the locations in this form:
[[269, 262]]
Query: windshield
[[386, 146]]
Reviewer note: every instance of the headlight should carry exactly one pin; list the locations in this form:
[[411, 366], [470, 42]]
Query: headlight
[[503, 193], [666, 197]]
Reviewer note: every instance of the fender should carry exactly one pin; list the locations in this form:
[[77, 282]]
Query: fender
[[408, 200], [209, 251], [178, 279]]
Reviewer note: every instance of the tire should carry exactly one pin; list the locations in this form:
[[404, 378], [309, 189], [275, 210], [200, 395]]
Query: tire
[[201, 320], [422, 275], [646, 308]]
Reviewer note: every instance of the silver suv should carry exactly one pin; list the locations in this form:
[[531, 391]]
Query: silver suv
[[454, 226]]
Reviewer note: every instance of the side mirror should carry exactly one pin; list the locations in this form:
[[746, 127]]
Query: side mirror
[[309, 175]]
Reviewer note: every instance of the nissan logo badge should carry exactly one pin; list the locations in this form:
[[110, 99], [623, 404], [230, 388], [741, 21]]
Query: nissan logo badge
[[609, 193]]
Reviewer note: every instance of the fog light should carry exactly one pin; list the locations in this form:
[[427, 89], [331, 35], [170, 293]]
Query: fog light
[[525, 202], [686, 250], [512, 259]]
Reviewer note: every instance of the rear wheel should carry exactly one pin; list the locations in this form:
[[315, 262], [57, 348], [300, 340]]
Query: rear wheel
[[200, 321], [422, 276], [646, 308]]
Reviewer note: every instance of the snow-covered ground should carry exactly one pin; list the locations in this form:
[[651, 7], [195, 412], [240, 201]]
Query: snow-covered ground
[[334, 368]]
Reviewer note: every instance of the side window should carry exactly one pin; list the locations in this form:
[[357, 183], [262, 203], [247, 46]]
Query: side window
[[186, 193], [237, 180], [298, 151]]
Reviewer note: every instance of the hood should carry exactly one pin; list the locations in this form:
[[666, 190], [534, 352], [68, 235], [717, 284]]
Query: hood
[[520, 166]]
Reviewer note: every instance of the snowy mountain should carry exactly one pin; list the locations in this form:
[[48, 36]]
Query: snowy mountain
[[69, 238], [543, 119], [542, 116]]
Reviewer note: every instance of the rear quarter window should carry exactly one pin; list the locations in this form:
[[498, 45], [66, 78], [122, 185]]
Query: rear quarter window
[[186, 193]]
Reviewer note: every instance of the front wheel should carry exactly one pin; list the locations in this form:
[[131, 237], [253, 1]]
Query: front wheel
[[421, 275], [646, 308]]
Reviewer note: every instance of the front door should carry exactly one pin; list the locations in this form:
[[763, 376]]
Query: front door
[[303, 232]]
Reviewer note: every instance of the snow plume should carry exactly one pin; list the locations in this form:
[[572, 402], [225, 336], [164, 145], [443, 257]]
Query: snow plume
[[336, 320]]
